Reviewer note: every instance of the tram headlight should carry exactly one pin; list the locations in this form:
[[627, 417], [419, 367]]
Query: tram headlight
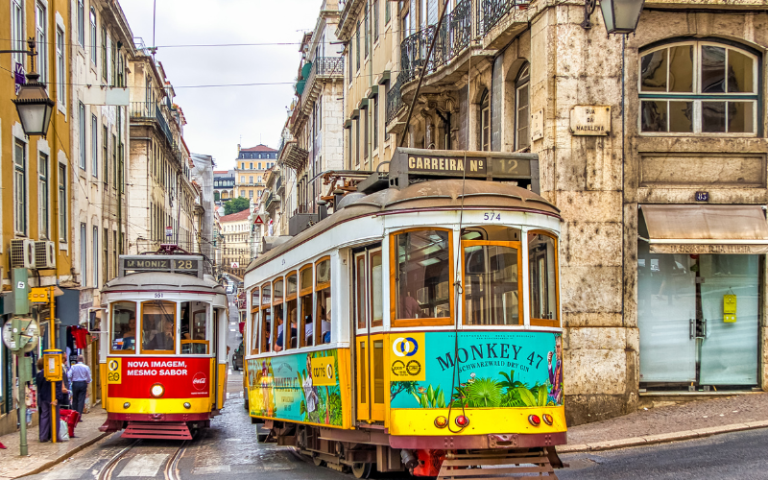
[[126, 404], [441, 422], [187, 405], [157, 390]]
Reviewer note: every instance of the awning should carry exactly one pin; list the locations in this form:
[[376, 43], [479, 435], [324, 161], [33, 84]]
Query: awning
[[704, 229]]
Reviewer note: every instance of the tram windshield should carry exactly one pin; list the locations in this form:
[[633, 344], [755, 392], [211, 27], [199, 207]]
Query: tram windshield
[[158, 326], [542, 267], [123, 327], [491, 288], [194, 328], [422, 283]]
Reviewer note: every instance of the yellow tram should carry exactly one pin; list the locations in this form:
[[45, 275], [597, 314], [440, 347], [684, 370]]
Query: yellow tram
[[418, 326], [164, 367]]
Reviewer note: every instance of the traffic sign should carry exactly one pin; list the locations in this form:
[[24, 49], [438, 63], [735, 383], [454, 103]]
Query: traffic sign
[[261, 219], [235, 265], [168, 231]]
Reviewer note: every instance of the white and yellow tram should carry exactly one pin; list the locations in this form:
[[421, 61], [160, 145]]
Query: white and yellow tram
[[415, 324], [164, 367]]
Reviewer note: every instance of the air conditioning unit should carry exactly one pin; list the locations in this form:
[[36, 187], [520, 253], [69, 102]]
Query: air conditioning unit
[[22, 253], [45, 255]]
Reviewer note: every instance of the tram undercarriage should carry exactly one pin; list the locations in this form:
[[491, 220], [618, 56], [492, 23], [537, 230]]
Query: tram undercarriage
[[363, 452]]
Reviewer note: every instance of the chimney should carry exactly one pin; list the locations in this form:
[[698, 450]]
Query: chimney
[[238, 148]]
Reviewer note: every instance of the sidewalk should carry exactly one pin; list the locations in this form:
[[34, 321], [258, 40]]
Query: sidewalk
[[670, 423], [44, 455]]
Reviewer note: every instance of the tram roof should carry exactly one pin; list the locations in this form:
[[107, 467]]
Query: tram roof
[[429, 195], [166, 281]]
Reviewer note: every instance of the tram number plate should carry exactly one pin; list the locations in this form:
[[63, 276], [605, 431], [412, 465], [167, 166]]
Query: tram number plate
[[492, 217], [114, 371]]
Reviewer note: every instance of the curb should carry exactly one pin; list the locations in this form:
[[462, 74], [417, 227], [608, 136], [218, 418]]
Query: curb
[[661, 438], [63, 456]]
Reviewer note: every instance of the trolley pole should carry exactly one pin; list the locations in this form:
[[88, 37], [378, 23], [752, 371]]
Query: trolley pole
[[52, 328], [24, 375]]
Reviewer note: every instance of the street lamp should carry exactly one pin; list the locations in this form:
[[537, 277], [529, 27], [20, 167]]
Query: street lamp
[[621, 16], [34, 106]]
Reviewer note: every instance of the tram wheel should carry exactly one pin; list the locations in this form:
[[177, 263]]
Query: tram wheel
[[319, 462], [362, 470]]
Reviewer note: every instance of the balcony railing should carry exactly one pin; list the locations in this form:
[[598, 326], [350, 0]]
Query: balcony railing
[[326, 67], [394, 99], [150, 111], [493, 10], [454, 36]]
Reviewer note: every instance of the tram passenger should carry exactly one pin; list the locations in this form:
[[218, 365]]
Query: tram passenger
[[325, 326], [279, 342], [163, 340], [308, 330], [129, 334], [410, 307]]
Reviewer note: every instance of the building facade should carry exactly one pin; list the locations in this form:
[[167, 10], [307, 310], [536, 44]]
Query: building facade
[[223, 186], [648, 144], [250, 166], [236, 250], [205, 208]]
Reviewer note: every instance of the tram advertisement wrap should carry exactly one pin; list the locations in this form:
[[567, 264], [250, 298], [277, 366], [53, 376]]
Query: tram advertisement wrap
[[180, 377], [492, 370], [302, 387]]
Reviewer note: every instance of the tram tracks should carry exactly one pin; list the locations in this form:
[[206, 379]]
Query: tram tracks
[[170, 468]]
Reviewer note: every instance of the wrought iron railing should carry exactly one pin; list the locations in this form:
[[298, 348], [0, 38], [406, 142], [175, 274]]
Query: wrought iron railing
[[151, 111], [493, 10], [413, 53], [394, 99], [328, 66]]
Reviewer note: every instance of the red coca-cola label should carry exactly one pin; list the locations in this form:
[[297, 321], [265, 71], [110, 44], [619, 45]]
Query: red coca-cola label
[[180, 377]]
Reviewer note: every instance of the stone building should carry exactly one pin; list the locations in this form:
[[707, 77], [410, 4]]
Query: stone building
[[160, 194], [236, 250], [314, 143], [653, 147], [250, 166], [205, 207]]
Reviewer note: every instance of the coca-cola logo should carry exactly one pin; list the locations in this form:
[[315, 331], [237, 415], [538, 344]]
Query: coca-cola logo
[[199, 381]]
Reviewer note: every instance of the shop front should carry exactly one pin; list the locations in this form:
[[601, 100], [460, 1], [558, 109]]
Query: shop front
[[700, 288]]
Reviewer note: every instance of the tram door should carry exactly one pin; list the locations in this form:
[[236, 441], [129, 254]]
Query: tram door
[[369, 317]]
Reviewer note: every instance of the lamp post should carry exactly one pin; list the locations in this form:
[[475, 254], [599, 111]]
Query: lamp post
[[32, 103], [620, 16]]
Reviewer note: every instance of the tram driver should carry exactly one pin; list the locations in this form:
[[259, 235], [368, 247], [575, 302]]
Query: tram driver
[[129, 334], [163, 340]]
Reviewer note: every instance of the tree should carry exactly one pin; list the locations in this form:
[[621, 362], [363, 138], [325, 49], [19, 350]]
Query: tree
[[235, 205]]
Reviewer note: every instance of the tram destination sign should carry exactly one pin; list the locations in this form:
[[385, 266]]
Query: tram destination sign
[[410, 164], [187, 264]]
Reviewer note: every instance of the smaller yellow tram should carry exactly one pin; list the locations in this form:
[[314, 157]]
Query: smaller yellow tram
[[417, 327], [163, 368]]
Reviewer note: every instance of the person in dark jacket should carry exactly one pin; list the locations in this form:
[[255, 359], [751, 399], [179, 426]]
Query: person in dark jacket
[[46, 404]]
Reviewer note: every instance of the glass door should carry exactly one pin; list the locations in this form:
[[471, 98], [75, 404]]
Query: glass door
[[368, 314], [729, 298], [666, 316]]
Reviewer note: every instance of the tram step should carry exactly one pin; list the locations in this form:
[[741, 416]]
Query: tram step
[[158, 431], [496, 465]]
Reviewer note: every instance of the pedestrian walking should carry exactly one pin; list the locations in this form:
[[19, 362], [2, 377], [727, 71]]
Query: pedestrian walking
[[80, 377], [48, 407]]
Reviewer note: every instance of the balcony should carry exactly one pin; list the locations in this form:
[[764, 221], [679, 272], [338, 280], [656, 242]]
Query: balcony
[[394, 99], [150, 111], [294, 156], [323, 68], [502, 21]]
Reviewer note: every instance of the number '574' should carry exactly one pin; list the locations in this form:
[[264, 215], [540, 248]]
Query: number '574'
[[492, 217]]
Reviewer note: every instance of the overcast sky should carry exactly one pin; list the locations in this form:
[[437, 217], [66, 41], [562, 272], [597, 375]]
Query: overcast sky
[[218, 117]]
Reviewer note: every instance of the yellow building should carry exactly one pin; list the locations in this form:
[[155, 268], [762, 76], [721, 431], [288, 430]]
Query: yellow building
[[36, 171], [250, 166]]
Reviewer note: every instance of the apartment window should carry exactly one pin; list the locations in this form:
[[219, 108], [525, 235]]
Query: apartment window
[[485, 122], [20, 186], [113, 61], [105, 152], [699, 88], [367, 36], [251, 167], [242, 179], [250, 179], [81, 113], [17, 31], [60, 68], [93, 35], [357, 47], [114, 161], [357, 142], [387, 13], [81, 22], [114, 253], [63, 203], [41, 36], [522, 98], [104, 64], [375, 8], [105, 255], [320, 113], [250, 193], [259, 178], [44, 196], [375, 132], [364, 116], [405, 27], [94, 146], [259, 165], [83, 255], [95, 257]]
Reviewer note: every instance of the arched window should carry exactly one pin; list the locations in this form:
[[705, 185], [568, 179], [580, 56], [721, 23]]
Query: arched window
[[522, 110], [698, 87], [485, 121]]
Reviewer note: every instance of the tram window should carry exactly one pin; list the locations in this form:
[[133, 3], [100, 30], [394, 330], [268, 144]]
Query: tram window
[[492, 233], [422, 283], [542, 268], [194, 328], [323, 291], [123, 328], [291, 306], [158, 326], [378, 371], [278, 310], [266, 318], [360, 296], [377, 307], [255, 302], [491, 287]]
